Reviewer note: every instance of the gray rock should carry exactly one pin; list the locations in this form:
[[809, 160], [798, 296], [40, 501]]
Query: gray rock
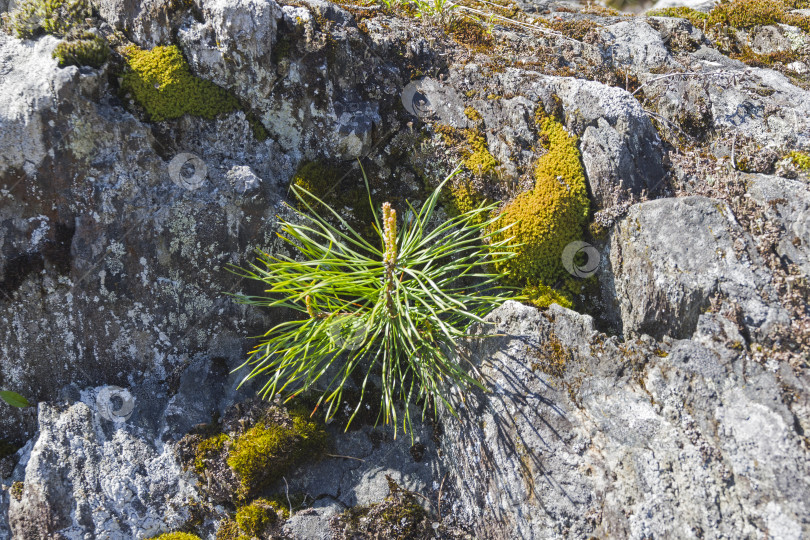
[[636, 45], [86, 475], [786, 202], [585, 436], [664, 283]]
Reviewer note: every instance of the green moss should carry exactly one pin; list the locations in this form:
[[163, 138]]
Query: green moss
[[88, 50], [17, 490], [32, 18], [801, 160], [542, 296], [281, 503], [470, 33], [267, 450], [177, 536], [210, 448], [461, 196], [229, 530], [478, 158], [398, 517], [550, 216], [161, 82], [750, 13], [694, 16], [473, 114], [256, 517]]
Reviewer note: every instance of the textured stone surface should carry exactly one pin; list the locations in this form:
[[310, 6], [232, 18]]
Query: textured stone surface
[[583, 435], [663, 283]]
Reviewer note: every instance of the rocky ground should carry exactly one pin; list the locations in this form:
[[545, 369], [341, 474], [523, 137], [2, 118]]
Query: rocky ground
[[673, 400]]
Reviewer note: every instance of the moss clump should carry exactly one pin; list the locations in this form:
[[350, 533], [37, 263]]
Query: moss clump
[[161, 82], [479, 160], [255, 518], [542, 296], [177, 536], [473, 146], [750, 13], [399, 517], [263, 453], [17, 490], [801, 160], [697, 18], [229, 530], [88, 50], [461, 196], [473, 114], [32, 18], [209, 449], [550, 216], [575, 29], [471, 34]]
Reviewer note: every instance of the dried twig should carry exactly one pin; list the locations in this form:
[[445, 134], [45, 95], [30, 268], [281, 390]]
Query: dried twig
[[345, 457], [441, 487]]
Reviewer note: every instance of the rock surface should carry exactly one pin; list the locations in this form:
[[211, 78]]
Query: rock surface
[[586, 436]]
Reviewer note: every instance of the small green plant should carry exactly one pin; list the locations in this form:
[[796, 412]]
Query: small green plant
[[397, 308], [32, 18], [13, 398], [433, 8], [390, 5]]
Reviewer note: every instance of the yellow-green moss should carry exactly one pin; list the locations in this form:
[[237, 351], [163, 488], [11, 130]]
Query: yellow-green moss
[[461, 196], [32, 18], [210, 448], [267, 450], [470, 33], [692, 15], [473, 114], [88, 50], [750, 13], [550, 216], [479, 160], [161, 82], [229, 530], [801, 160], [256, 517], [176, 536], [542, 296], [17, 490]]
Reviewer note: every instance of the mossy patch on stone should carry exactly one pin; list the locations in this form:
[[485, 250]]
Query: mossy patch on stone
[[87, 50], [542, 296], [263, 453], [800, 159], [745, 14], [399, 517], [177, 536], [473, 147], [551, 215], [210, 448], [255, 518], [697, 18], [32, 18], [229, 530], [17, 490], [160, 81]]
